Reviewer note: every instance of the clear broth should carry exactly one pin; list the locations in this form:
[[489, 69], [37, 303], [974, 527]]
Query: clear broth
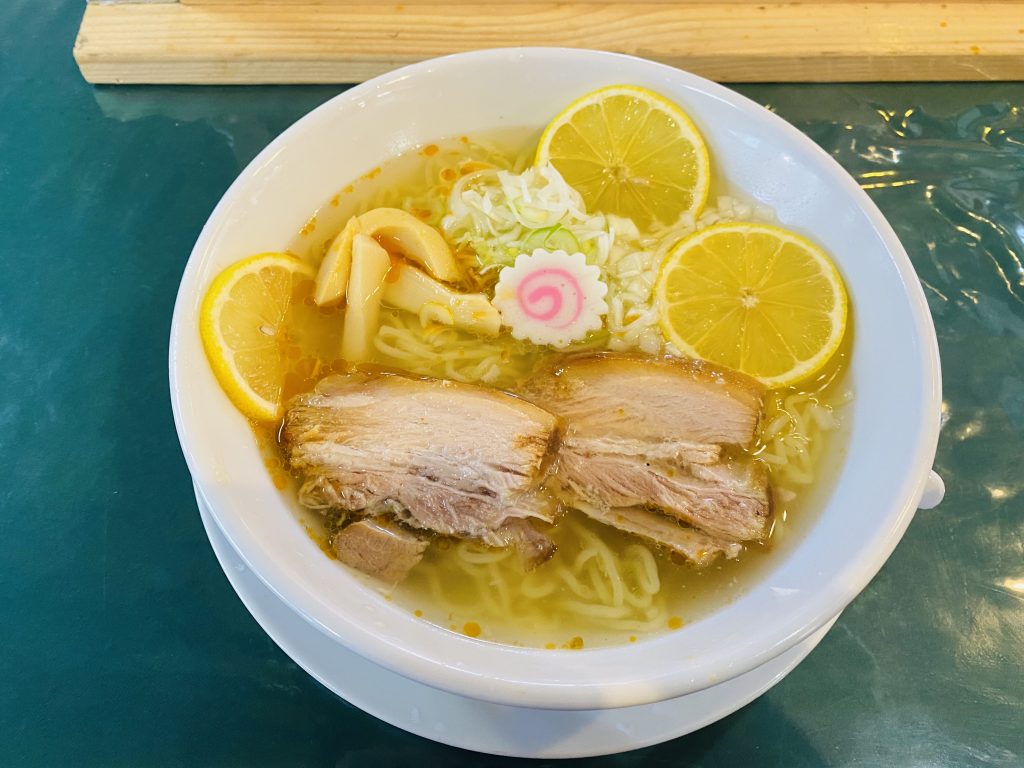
[[484, 597]]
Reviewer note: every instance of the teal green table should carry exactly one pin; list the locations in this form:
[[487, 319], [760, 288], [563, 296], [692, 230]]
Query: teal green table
[[124, 645]]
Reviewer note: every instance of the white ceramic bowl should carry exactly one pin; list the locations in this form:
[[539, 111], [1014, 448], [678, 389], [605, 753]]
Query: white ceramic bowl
[[895, 375]]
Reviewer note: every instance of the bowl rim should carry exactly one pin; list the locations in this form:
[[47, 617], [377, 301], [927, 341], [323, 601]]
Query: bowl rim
[[497, 686]]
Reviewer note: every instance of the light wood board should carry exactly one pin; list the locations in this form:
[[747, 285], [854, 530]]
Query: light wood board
[[477, 2], [223, 41]]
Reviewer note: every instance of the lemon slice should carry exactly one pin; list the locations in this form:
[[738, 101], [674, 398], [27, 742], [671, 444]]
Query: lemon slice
[[754, 298], [630, 152], [242, 324]]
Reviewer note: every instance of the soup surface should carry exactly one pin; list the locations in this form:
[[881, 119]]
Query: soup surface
[[602, 586], [592, 581]]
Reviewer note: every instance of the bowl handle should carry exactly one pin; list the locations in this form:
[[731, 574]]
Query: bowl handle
[[934, 490]]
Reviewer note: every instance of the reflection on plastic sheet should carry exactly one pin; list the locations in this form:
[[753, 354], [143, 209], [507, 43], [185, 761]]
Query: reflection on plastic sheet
[[946, 166]]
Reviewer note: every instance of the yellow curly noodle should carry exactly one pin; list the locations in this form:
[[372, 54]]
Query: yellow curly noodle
[[431, 349], [595, 589], [601, 586], [798, 430], [792, 440]]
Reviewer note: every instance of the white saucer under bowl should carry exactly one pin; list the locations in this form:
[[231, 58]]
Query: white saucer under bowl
[[480, 726]]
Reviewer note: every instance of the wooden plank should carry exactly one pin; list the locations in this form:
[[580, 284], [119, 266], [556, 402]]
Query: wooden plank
[[461, 2], [737, 42]]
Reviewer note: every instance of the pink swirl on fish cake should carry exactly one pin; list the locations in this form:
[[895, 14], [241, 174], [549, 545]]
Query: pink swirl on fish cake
[[551, 297], [551, 294]]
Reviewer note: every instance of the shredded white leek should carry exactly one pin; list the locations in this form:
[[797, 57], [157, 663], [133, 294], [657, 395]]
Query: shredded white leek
[[498, 214]]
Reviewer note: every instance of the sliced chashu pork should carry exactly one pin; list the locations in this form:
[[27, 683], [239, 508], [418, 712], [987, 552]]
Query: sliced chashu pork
[[533, 546], [451, 458], [697, 547], [644, 432], [728, 500], [380, 548], [653, 400]]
